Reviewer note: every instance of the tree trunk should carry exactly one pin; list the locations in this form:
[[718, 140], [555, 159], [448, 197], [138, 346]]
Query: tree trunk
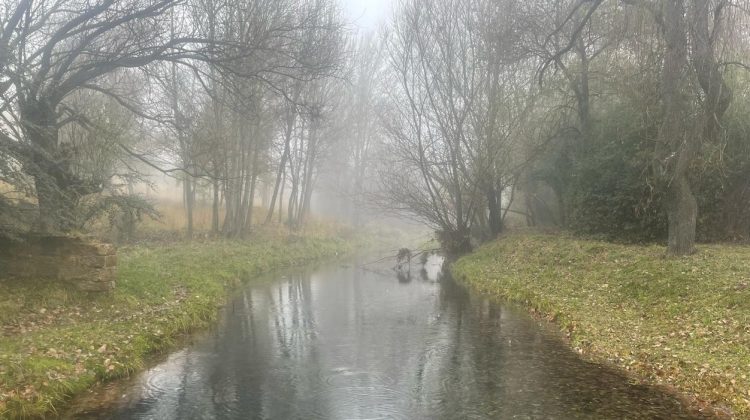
[[292, 205], [251, 204], [358, 190], [675, 147], [232, 193], [530, 210], [583, 95], [718, 94], [56, 206], [281, 196], [282, 164], [495, 217], [682, 211], [215, 209], [309, 174], [228, 207], [55, 192], [189, 203], [265, 194], [251, 193], [245, 205]]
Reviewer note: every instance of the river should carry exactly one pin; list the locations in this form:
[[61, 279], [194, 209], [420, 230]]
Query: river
[[341, 342]]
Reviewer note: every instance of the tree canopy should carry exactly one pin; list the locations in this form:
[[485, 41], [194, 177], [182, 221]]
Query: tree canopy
[[617, 118]]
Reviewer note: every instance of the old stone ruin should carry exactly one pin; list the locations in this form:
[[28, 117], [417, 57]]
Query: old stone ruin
[[84, 263]]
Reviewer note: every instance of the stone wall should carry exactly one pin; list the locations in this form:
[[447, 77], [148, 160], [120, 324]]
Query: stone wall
[[86, 264]]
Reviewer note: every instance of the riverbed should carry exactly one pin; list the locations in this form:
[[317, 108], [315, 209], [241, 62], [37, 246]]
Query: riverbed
[[357, 341]]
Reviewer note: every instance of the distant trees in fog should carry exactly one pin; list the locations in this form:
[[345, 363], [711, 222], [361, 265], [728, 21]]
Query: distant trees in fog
[[203, 81], [610, 117]]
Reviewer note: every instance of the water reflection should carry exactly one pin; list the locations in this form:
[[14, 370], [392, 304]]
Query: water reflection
[[345, 343]]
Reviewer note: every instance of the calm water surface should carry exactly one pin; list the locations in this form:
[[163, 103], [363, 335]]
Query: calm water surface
[[346, 343]]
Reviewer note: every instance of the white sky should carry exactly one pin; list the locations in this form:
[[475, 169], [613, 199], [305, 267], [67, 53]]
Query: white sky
[[367, 14]]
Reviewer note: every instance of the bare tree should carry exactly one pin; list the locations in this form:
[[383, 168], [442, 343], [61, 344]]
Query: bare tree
[[363, 134], [305, 104], [51, 49], [453, 119]]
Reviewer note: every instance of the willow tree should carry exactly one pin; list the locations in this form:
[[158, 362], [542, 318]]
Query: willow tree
[[451, 124]]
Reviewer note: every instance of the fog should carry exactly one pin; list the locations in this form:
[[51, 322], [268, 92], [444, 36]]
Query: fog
[[466, 116], [159, 156]]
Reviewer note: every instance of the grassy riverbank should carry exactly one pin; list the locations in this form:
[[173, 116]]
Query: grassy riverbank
[[56, 342], [683, 323]]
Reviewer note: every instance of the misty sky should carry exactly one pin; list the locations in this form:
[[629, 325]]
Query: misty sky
[[367, 14]]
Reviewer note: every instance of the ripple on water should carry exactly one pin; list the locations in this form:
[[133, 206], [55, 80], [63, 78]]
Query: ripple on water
[[344, 377], [161, 383], [360, 394], [368, 402]]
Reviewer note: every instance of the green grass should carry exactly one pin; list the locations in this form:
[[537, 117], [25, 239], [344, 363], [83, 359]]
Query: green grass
[[680, 322], [56, 342]]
